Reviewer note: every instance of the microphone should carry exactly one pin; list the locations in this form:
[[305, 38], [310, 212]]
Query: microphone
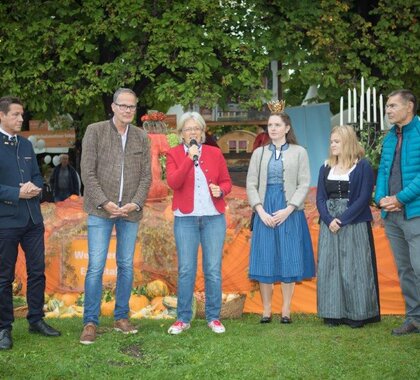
[[195, 157]]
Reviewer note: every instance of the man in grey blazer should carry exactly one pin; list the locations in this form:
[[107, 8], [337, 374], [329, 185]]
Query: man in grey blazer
[[116, 174]]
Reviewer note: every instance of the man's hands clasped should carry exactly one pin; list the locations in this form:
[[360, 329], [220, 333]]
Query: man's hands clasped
[[28, 190], [390, 204], [119, 212]]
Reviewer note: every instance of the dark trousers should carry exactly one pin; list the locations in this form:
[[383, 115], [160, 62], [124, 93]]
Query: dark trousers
[[31, 239]]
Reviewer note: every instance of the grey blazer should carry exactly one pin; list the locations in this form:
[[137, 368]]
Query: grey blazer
[[296, 175], [102, 161]]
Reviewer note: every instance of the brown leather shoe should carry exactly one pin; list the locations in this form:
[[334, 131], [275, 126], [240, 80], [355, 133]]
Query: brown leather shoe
[[124, 326], [406, 328], [88, 334]]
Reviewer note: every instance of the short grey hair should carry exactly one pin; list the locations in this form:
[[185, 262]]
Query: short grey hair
[[407, 96], [195, 116], [122, 90]]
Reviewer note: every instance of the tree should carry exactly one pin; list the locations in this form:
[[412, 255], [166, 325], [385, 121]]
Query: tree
[[70, 56], [334, 43]]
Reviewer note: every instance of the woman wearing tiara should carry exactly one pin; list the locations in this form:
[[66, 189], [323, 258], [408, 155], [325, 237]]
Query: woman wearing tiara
[[347, 279], [277, 184]]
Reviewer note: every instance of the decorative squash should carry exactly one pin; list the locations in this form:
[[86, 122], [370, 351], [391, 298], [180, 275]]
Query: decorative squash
[[67, 315], [53, 304], [156, 288], [68, 298], [107, 308], [138, 302], [170, 302], [157, 304], [53, 314]]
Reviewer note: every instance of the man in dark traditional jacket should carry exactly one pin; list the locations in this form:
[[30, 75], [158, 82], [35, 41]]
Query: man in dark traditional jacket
[[20, 222]]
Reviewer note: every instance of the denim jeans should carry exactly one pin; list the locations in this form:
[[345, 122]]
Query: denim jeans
[[190, 231], [99, 235]]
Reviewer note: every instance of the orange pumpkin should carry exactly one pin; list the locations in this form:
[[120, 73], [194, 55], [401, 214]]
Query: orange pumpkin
[[157, 304], [138, 302], [107, 308], [156, 288], [68, 298]]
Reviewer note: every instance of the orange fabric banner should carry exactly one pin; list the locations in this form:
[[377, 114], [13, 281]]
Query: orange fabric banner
[[66, 251], [235, 277]]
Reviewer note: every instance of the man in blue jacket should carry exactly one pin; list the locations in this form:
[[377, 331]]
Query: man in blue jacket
[[20, 222], [398, 195]]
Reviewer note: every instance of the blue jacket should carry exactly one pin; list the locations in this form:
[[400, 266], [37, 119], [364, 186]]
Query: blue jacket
[[18, 165], [409, 196], [360, 186]]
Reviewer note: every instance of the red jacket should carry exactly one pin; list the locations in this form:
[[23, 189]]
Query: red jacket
[[262, 139], [180, 176]]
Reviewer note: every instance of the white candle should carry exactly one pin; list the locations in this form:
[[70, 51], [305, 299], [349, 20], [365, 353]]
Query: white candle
[[349, 104], [362, 86], [362, 102], [374, 105], [381, 111], [354, 105], [368, 105], [341, 110]]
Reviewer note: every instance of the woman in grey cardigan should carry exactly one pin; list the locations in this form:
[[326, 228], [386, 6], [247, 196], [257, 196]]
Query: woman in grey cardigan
[[277, 184]]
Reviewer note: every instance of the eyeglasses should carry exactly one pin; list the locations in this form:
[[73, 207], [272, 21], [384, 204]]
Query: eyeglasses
[[125, 107], [188, 130]]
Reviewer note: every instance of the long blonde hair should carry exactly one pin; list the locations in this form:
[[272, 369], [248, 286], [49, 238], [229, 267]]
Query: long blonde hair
[[351, 149]]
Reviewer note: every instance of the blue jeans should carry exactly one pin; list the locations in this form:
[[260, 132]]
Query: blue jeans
[[190, 231], [99, 235]]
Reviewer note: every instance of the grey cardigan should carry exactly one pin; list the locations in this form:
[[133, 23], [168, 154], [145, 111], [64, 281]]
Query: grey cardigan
[[296, 175], [102, 158]]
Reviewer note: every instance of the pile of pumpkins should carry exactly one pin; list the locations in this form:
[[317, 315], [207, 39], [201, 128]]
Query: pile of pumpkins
[[150, 301]]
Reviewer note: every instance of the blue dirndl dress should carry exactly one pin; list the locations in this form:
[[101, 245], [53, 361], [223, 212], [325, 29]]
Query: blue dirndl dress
[[283, 253]]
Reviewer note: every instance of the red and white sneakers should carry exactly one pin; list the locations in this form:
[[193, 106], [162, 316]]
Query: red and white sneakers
[[178, 327], [217, 326]]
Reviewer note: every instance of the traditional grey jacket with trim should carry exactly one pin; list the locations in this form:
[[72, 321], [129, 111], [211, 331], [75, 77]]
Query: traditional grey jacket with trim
[[296, 175]]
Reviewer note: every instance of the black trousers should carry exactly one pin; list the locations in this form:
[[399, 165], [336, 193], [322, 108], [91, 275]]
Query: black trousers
[[31, 239]]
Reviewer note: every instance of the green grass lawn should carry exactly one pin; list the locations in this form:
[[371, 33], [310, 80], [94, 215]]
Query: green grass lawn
[[306, 349]]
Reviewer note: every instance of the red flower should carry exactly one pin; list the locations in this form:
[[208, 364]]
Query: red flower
[[153, 116]]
